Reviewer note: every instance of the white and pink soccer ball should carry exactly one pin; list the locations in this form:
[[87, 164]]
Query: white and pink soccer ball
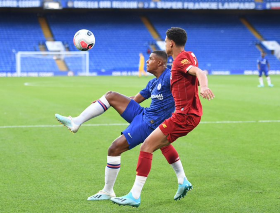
[[84, 40]]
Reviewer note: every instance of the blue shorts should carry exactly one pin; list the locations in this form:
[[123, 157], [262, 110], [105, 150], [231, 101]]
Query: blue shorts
[[263, 71], [138, 130]]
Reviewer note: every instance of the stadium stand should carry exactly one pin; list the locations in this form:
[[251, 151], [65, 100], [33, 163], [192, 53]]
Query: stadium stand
[[21, 32], [119, 37], [220, 41], [267, 25]]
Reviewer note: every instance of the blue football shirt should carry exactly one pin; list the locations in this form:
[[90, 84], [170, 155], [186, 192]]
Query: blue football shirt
[[169, 62], [162, 105], [263, 62]]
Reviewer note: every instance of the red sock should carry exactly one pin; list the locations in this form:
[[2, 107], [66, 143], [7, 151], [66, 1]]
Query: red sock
[[144, 164], [170, 153]]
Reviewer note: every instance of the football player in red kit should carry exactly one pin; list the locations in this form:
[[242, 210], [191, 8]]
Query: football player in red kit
[[185, 79]]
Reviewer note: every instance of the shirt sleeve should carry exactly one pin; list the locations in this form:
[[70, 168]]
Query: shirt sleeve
[[185, 62], [146, 93]]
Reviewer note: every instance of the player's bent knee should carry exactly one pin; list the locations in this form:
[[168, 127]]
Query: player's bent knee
[[116, 149], [112, 96], [109, 95], [112, 151], [146, 148]]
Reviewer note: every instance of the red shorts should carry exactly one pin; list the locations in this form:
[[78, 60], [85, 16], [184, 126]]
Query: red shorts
[[179, 125]]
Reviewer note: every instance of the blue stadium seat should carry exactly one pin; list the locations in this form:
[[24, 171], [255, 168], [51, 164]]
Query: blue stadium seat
[[19, 32], [220, 42], [119, 38]]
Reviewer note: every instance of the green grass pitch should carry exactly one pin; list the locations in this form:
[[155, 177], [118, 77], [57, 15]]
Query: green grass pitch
[[231, 158]]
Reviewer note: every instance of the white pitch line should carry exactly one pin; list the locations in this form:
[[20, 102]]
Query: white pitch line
[[51, 126], [42, 84], [269, 121], [234, 122], [226, 122], [125, 124]]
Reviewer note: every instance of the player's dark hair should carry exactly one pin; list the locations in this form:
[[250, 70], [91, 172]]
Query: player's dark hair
[[178, 35], [161, 54]]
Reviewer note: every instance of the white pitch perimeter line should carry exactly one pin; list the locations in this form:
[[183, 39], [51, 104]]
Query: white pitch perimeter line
[[125, 124], [50, 126]]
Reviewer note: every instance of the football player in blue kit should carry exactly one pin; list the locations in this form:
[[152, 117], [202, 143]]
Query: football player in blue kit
[[143, 121], [263, 67]]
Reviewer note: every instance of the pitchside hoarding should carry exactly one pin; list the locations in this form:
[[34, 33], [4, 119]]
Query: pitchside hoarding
[[124, 73]]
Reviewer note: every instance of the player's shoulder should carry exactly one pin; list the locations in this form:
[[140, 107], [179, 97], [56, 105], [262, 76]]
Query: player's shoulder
[[152, 81], [187, 53], [184, 58], [166, 72], [184, 55], [164, 77]]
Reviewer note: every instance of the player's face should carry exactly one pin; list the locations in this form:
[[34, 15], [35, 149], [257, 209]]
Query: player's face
[[152, 63], [168, 46]]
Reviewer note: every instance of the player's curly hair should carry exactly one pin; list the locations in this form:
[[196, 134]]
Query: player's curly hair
[[178, 35]]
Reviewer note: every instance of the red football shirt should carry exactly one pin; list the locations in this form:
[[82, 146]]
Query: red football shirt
[[184, 87]]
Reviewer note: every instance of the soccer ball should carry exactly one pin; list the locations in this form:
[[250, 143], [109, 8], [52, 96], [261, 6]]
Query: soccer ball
[[84, 40]]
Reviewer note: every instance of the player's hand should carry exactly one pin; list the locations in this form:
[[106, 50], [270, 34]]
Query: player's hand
[[206, 93]]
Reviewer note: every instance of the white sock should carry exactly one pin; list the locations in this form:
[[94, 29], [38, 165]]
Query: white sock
[[95, 109], [111, 172], [261, 81], [179, 170], [268, 80], [138, 186]]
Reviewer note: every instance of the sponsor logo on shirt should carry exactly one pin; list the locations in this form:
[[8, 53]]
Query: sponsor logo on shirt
[[185, 61], [164, 125], [158, 96], [129, 135], [263, 61]]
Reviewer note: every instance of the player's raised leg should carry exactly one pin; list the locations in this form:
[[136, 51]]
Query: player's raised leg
[[117, 101], [68, 122]]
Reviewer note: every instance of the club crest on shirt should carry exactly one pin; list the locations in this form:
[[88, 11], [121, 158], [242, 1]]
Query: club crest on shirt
[[158, 86], [185, 61]]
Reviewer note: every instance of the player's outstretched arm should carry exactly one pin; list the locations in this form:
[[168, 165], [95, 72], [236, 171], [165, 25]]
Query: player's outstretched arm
[[138, 98], [205, 92]]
